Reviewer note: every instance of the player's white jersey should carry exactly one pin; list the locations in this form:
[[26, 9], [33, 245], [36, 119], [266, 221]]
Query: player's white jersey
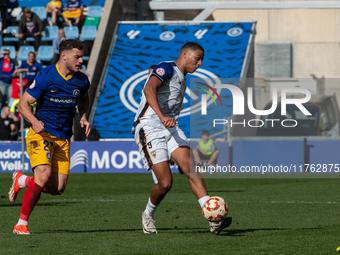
[[170, 95]]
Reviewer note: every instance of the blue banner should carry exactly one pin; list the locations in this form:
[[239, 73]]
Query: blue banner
[[138, 46], [124, 157]]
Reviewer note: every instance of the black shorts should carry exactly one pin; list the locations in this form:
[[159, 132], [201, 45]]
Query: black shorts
[[202, 156]]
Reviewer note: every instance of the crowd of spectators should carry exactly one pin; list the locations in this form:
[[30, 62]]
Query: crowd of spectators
[[60, 14]]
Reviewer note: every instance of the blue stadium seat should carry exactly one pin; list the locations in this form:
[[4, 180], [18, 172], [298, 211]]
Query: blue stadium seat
[[94, 11], [84, 67], [88, 33], [15, 31], [12, 53], [50, 33], [23, 52], [71, 32], [45, 53], [85, 58], [40, 11]]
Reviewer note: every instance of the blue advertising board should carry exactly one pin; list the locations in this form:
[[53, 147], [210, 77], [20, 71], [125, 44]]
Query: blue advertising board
[[124, 157], [138, 46]]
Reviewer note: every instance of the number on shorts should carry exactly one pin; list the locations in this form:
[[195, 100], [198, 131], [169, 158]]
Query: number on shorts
[[47, 143]]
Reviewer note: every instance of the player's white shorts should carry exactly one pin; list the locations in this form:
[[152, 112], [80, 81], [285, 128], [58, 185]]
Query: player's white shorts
[[156, 144]]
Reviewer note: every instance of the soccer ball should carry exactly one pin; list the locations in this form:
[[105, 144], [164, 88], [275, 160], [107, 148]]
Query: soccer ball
[[215, 209]]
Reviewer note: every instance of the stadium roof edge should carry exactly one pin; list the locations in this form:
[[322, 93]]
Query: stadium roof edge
[[199, 5]]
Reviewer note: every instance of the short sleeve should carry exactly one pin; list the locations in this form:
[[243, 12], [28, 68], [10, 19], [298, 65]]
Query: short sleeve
[[38, 86], [163, 71], [87, 86]]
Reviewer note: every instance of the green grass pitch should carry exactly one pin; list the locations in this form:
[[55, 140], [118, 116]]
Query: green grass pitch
[[101, 214]]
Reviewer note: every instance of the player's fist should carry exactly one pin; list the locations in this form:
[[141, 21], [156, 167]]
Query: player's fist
[[168, 122], [38, 126]]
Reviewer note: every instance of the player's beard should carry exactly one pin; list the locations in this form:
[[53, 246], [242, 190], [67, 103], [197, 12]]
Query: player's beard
[[71, 68]]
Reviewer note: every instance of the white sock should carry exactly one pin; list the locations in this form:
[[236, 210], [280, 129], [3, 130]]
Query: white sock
[[22, 222], [202, 200], [150, 209], [22, 180]]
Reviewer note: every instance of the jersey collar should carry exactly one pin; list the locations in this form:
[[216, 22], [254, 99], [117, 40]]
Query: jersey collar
[[179, 68], [66, 78]]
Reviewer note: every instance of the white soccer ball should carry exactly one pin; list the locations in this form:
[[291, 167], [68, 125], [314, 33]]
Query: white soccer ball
[[215, 209]]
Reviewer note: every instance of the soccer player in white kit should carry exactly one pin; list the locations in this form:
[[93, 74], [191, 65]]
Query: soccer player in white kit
[[159, 137]]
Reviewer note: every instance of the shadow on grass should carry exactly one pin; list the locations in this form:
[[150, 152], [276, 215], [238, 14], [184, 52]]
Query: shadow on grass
[[232, 232], [39, 204], [196, 230], [241, 232]]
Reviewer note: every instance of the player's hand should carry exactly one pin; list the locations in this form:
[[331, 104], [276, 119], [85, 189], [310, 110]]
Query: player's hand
[[20, 35], [168, 122], [85, 124], [38, 126]]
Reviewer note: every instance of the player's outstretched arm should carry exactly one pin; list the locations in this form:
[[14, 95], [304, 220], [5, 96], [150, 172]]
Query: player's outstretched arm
[[83, 107], [150, 92], [25, 111]]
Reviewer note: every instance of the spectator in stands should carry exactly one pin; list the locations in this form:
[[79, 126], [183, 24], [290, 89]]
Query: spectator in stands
[[55, 45], [6, 125], [3, 12], [30, 67], [17, 118], [73, 9], [53, 8], [206, 150], [1, 29], [30, 26], [6, 71]]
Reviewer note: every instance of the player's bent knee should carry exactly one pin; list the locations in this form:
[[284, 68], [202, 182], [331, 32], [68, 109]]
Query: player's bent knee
[[165, 187]]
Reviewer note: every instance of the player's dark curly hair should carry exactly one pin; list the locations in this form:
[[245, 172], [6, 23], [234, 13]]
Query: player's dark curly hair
[[192, 46], [70, 44]]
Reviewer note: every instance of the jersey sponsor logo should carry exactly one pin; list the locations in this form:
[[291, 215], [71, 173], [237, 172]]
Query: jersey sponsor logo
[[160, 71], [76, 92], [63, 100], [6, 122], [167, 36], [52, 90], [235, 31], [32, 85], [48, 155]]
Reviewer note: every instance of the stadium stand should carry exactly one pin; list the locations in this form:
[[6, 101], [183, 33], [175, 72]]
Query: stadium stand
[[40, 11], [23, 52], [51, 32], [45, 53], [88, 33], [94, 11], [14, 30], [71, 32], [11, 49], [30, 3]]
